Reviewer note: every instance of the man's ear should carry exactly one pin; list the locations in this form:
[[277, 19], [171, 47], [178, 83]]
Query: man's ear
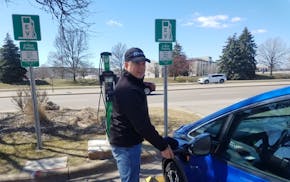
[[126, 63]]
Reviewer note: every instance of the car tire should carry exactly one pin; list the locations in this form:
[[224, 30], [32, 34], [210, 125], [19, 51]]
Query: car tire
[[206, 82], [147, 91], [222, 80], [172, 173]]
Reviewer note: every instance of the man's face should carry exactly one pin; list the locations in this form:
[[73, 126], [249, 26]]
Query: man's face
[[137, 69]]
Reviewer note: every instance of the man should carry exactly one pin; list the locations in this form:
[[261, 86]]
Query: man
[[130, 122]]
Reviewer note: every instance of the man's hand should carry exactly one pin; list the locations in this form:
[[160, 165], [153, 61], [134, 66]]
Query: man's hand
[[167, 153]]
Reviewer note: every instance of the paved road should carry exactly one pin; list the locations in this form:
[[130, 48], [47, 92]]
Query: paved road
[[188, 97]]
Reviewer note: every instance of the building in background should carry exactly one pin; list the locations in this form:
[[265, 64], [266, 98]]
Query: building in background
[[197, 67], [202, 66]]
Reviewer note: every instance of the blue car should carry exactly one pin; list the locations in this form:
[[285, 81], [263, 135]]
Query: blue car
[[247, 141]]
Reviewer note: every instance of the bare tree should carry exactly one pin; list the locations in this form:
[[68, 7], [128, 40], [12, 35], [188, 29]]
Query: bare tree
[[57, 62], [71, 48], [288, 62], [118, 52], [272, 53], [180, 67], [69, 13], [156, 70], [84, 69]]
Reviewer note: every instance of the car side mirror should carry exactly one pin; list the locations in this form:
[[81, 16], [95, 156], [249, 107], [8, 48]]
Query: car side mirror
[[200, 145]]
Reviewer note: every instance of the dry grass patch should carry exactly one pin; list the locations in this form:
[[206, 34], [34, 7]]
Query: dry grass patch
[[175, 119], [66, 133]]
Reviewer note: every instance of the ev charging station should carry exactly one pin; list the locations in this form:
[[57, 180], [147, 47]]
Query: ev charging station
[[108, 80], [100, 149]]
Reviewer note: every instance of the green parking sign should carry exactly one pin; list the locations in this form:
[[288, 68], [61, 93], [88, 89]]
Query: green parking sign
[[29, 54], [26, 27], [165, 53]]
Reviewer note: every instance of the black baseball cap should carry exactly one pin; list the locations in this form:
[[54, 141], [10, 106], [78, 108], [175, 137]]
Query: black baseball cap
[[136, 55]]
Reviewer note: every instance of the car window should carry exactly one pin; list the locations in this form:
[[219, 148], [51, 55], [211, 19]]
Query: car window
[[261, 140], [214, 128]]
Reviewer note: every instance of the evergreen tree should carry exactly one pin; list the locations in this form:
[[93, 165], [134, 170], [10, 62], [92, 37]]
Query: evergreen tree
[[10, 65], [238, 58], [248, 52], [228, 62]]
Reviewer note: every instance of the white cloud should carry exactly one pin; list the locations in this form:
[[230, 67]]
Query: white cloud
[[188, 24], [114, 23], [235, 19], [215, 21], [257, 31]]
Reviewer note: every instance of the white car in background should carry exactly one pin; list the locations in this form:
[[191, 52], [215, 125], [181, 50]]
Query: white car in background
[[212, 78]]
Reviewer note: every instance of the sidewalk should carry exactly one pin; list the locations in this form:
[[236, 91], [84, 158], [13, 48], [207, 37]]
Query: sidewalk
[[68, 173]]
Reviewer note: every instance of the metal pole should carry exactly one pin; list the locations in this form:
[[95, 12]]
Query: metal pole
[[165, 102], [35, 109]]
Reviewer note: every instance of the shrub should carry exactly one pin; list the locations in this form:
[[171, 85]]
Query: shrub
[[29, 112], [24, 102]]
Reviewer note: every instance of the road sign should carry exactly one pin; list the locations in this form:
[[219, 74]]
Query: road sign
[[165, 30], [165, 53], [26, 27], [29, 54]]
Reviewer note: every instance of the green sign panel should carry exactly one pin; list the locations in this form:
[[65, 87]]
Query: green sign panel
[[29, 54], [26, 27], [165, 53], [165, 30]]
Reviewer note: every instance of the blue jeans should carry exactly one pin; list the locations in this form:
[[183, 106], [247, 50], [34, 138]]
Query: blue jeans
[[128, 162]]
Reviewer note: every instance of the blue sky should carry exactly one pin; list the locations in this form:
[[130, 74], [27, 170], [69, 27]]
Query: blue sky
[[202, 26]]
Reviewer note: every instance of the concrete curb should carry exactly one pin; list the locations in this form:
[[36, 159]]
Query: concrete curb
[[100, 166], [60, 174]]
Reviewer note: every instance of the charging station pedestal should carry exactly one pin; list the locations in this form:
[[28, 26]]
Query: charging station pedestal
[[101, 149]]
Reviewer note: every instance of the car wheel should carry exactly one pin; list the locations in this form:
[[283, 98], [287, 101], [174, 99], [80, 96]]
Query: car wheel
[[206, 81], [147, 91], [172, 173], [222, 80]]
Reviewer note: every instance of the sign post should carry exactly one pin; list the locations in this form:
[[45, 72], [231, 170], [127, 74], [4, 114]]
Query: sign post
[[27, 28], [165, 32]]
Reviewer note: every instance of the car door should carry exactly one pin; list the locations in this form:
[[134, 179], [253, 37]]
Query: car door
[[258, 141], [215, 78], [213, 167], [251, 144]]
